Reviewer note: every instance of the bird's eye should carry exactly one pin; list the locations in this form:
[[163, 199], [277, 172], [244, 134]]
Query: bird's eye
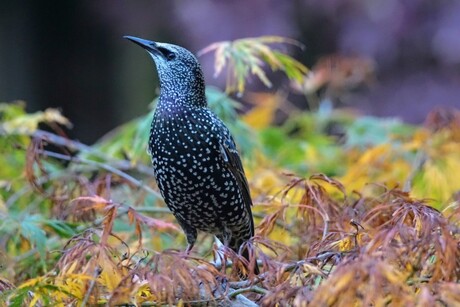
[[171, 56], [168, 54]]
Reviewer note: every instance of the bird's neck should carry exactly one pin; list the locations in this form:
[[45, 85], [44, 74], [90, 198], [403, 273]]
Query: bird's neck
[[187, 96], [171, 103]]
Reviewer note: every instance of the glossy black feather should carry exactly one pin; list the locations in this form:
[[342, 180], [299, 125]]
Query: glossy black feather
[[195, 159]]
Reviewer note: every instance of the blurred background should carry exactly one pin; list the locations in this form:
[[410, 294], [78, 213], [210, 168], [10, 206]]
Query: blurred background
[[399, 58]]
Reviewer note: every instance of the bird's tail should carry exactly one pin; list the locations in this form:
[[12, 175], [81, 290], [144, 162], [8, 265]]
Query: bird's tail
[[246, 254], [247, 251]]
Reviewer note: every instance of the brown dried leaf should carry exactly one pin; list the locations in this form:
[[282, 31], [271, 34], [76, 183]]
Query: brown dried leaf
[[108, 223], [150, 221], [331, 181], [268, 223], [95, 202]]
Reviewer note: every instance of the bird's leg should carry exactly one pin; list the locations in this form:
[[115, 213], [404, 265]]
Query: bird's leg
[[190, 233], [220, 263], [219, 256], [188, 249]]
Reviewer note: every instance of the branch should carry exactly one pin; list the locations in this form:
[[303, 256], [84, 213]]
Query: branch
[[59, 140], [77, 146], [255, 289], [97, 272], [105, 166], [123, 210]]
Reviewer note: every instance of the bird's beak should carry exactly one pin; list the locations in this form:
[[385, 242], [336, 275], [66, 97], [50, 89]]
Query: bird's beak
[[150, 46]]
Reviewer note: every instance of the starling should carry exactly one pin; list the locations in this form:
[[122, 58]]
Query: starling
[[196, 164]]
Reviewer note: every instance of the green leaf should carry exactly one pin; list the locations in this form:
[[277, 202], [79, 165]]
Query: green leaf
[[31, 230], [19, 296], [249, 56], [370, 131], [63, 229]]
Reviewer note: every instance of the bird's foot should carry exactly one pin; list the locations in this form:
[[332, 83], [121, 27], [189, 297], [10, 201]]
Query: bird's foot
[[222, 285], [188, 250]]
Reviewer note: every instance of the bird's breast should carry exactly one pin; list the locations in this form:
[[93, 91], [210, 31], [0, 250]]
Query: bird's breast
[[185, 152], [191, 172]]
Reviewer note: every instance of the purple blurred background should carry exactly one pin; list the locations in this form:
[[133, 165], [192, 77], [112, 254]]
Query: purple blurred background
[[70, 54]]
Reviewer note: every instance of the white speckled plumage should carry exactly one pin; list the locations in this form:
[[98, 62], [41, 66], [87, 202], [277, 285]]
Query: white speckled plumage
[[195, 160]]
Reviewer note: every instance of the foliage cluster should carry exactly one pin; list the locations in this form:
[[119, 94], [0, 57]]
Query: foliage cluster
[[349, 210]]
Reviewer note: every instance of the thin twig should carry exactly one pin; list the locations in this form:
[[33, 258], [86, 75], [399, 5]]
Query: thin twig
[[107, 167], [153, 210], [77, 146], [255, 289], [262, 276], [277, 221], [59, 140], [123, 210], [97, 272]]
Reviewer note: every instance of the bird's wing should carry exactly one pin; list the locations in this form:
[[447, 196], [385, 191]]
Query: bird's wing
[[232, 160]]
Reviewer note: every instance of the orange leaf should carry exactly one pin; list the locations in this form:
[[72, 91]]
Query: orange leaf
[[149, 221]]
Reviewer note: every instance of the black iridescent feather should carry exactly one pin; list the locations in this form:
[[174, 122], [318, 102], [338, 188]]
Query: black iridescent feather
[[195, 159]]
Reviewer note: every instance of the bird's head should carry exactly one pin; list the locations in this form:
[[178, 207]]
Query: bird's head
[[179, 72]]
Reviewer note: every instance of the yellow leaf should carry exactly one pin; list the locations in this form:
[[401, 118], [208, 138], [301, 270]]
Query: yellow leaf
[[346, 244], [418, 140], [143, 294], [391, 274], [110, 275], [343, 282], [220, 55], [281, 235], [31, 282], [375, 154], [256, 70], [439, 178], [262, 114], [34, 300], [74, 284], [28, 123], [55, 116]]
